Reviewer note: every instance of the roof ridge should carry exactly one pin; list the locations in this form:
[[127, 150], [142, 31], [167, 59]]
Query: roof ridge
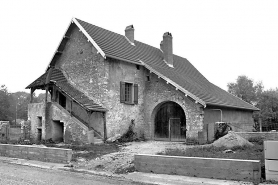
[[121, 35]]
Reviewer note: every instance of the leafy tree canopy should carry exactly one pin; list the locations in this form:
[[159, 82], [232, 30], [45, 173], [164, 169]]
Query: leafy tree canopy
[[4, 103], [268, 105], [15, 104], [246, 89]]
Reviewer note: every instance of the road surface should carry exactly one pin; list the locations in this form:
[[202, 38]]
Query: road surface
[[13, 174]]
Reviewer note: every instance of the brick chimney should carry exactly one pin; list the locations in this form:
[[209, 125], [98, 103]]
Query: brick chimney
[[167, 48], [129, 33]]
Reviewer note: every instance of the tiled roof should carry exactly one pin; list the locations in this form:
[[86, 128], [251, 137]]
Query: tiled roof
[[184, 73], [58, 78]]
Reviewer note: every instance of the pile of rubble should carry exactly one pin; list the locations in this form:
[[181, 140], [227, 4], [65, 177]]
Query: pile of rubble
[[231, 140]]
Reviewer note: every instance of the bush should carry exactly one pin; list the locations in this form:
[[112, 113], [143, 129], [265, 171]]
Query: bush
[[222, 130], [130, 135]]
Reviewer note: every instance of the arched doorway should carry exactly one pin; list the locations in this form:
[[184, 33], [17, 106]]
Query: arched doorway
[[170, 122]]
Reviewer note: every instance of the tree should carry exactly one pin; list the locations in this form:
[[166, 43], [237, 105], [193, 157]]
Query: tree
[[20, 101], [15, 105], [246, 89], [4, 104], [268, 105]]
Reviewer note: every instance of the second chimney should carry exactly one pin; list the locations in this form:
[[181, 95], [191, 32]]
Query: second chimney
[[129, 33], [167, 48]]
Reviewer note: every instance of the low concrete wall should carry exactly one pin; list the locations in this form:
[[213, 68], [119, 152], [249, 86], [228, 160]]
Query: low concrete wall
[[56, 155], [264, 135], [230, 169]]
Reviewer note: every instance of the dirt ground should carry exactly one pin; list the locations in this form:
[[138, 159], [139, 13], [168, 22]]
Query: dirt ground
[[122, 161]]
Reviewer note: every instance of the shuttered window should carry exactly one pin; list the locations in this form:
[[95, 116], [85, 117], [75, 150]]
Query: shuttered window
[[128, 93]]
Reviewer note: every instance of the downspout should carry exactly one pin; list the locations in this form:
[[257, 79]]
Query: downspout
[[220, 114]]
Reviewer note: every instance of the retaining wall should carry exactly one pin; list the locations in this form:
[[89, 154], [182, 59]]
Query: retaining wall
[[264, 135], [230, 169], [56, 155]]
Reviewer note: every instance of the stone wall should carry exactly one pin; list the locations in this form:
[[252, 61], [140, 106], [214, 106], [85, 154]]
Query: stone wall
[[157, 92], [56, 155], [264, 135], [15, 133], [94, 119], [35, 112], [74, 130]]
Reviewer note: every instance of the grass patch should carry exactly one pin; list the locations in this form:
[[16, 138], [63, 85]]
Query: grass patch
[[89, 151], [247, 153]]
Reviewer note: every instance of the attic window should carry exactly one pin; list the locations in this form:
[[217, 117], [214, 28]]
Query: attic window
[[128, 93], [137, 67], [148, 78]]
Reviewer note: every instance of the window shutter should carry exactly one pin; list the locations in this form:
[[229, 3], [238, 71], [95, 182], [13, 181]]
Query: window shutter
[[122, 92], [135, 94]]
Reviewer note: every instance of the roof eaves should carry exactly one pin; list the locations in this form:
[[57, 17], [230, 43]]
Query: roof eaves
[[178, 87], [243, 100], [125, 60], [237, 107], [58, 46], [89, 37]]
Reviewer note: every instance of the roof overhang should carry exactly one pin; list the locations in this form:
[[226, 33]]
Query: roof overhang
[[234, 107]]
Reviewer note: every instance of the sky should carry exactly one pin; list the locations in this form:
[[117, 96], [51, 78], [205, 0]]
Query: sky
[[221, 38]]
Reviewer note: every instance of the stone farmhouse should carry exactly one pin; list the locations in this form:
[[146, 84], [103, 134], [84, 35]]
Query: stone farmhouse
[[100, 82]]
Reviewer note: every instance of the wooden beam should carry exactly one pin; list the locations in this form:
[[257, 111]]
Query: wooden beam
[[31, 94], [104, 127], [71, 107], [46, 93]]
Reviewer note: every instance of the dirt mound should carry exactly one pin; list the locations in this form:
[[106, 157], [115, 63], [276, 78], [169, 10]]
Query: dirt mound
[[231, 140], [122, 161]]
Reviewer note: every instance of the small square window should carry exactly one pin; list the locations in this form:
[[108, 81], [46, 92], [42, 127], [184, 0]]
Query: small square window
[[128, 93], [148, 78]]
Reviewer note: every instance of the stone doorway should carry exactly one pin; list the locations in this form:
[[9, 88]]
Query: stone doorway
[[169, 122], [58, 131]]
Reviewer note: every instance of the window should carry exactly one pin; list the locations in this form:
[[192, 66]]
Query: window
[[148, 78], [128, 93], [62, 100]]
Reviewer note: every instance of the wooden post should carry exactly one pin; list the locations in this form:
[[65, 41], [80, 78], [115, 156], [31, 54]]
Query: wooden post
[[260, 123], [31, 94], [46, 93], [104, 127], [71, 107], [53, 97]]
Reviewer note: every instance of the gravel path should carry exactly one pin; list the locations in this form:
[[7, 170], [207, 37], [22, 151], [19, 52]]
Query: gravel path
[[122, 161]]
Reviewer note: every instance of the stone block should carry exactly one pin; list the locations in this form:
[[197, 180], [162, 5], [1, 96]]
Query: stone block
[[230, 169], [57, 155]]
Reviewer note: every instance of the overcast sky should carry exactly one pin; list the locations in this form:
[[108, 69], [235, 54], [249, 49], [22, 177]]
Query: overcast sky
[[222, 39]]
